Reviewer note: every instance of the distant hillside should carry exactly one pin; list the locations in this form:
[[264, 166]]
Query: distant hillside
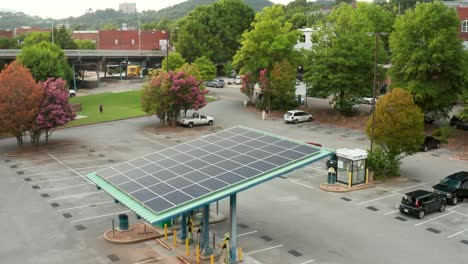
[[96, 19]]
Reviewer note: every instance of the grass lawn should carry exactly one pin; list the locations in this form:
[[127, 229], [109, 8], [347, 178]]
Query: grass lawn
[[115, 105]]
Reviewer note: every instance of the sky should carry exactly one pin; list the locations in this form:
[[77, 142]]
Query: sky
[[63, 9]]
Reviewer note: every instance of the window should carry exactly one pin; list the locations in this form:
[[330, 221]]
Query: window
[[465, 185], [302, 38], [464, 26], [133, 41], [116, 41]]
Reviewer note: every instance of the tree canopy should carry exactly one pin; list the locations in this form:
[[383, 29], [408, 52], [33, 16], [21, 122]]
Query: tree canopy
[[206, 67], [427, 56], [214, 30], [175, 61], [46, 60]]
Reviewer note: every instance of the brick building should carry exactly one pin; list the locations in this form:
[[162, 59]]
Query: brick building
[[462, 12], [124, 39], [24, 30], [6, 34], [86, 35]]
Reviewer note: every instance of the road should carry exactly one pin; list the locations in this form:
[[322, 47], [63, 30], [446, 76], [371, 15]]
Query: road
[[286, 220]]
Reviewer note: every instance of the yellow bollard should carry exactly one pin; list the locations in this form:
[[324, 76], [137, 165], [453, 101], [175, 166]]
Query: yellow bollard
[[212, 259], [186, 247], [350, 178], [240, 254], [367, 175], [197, 248], [175, 238], [165, 231]]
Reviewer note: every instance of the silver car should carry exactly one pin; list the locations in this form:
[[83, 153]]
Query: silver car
[[296, 116]]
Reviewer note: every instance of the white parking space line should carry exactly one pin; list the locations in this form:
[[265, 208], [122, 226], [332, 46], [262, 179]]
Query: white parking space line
[[72, 196], [149, 260], [99, 216], [261, 250], [83, 206], [50, 172], [248, 233], [457, 233], [309, 261], [422, 223], [69, 168], [305, 185], [66, 187], [390, 191], [380, 198], [409, 187], [451, 210], [54, 180], [392, 212]]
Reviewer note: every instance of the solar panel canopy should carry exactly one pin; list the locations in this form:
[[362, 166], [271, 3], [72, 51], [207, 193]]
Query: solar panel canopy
[[180, 174]]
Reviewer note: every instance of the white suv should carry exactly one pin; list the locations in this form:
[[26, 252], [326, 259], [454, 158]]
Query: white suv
[[296, 116]]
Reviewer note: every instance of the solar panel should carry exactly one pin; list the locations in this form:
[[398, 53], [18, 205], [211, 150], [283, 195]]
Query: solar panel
[[179, 174]]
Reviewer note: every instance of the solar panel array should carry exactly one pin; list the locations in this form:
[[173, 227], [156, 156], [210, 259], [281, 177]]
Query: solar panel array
[[179, 174]]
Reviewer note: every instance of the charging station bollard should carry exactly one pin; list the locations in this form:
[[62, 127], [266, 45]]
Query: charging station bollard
[[198, 253], [212, 259], [165, 231], [240, 254], [175, 238], [186, 247]]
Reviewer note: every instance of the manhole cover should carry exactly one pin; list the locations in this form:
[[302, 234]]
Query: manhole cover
[[168, 137], [92, 150], [345, 199], [45, 195], [20, 172], [243, 226], [433, 230], [83, 146], [111, 161], [414, 180], [14, 166], [27, 179], [266, 238], [101, 155], [7, 160], [113, 258], [81, 227], [67, 215], [36, 187], [372, 208], [54, 204], [295, 253], [401, 218]]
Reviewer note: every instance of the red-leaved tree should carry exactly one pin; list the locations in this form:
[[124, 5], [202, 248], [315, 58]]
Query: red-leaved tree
[[20, 99], [55, 110], [248, 86]]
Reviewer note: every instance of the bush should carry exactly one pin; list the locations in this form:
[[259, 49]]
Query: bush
[[383, 164], [443, 133]]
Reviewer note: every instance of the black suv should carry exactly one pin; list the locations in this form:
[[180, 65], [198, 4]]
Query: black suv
[[420, 202], [457, 122], [453, 187]]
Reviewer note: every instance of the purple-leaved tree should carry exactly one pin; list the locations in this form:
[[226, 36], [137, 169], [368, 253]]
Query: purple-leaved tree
[[55, 110]]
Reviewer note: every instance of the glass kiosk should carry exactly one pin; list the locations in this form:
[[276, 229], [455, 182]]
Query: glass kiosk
[[351, 166]]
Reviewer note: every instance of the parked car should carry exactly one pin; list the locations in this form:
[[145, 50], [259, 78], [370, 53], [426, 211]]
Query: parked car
[[296, 116], [453, 187], [430, 142], [72, 93], [457, 122], [238, 80], [195, 119], [429, 118], [366, 100], [421, 202]]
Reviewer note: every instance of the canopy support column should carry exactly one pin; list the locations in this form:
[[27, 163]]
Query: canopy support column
[[206, 250], [233, 221]]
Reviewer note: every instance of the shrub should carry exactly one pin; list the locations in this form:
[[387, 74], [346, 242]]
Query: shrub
[[443, 133], [383, 164]]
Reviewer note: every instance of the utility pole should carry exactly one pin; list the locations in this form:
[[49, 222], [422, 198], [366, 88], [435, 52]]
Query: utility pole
[[53, 31], [167, 49], [139, 33]]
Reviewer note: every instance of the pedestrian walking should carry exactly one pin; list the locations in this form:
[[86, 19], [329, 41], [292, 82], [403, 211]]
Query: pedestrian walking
[[100, 108]]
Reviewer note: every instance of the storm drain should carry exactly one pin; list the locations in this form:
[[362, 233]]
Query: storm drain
[[401, 218], [83, 146], [372, 208], [435, 231], [80, 227], [67, 215], [178, 141], [20, 172], [295, 253], [101, 155], [414, 180], [92, 150], [168, 137], [7, 160], [436, 155], [45, 195], [36, 187], [54, 204], [113, 257], [27, 179], [14, 166], [345, 199], [243, 226], [266, 238], [464, 242], [111, 161]]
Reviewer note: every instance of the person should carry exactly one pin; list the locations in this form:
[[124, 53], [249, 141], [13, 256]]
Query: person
[[100, 108]]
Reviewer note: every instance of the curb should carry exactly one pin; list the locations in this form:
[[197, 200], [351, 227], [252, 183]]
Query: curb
[[337, 188]]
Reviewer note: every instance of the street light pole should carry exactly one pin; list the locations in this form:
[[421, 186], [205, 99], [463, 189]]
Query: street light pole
[[139, 33], [53, 31], [167, 49], [374, 92]]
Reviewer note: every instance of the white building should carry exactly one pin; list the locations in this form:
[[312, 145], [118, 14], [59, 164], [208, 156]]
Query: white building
[[305, 40], [128, 8]]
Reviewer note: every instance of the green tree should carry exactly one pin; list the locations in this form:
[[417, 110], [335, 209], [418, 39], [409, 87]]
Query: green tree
[[109, 26], [283, 77], [427, 56], [341, 63], [8, 43], [85, 44], [271, 40], [46, 60], [175, 61], [214, 30], [398, 126], [63, 38], [206, 67], [191, 69], [35, 38]]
